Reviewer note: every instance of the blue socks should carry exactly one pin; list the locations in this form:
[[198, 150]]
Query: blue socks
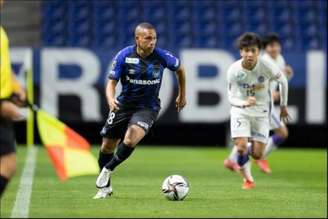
[[122, 153], [103, 159]]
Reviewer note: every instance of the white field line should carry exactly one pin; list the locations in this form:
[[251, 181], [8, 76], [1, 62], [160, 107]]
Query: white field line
[[23, 196]]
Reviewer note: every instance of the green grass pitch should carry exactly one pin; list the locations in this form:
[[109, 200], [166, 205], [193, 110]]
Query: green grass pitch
[[296, 188]]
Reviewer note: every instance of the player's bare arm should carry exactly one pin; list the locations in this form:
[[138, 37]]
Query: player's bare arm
[[19, 93], [110, 94], [181, 99], [10, 110]]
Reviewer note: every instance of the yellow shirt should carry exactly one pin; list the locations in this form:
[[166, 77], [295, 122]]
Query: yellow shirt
[[6, 83]]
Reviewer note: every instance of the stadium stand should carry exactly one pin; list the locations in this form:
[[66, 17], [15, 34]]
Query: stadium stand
[[208, 23]]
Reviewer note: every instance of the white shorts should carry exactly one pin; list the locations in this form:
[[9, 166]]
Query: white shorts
[[256, 128], [275, 122]]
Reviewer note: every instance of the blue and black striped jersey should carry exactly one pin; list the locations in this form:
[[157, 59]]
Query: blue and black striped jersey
[[141, 78]]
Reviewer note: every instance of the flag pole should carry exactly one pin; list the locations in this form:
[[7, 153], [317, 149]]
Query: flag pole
[[30, 99]]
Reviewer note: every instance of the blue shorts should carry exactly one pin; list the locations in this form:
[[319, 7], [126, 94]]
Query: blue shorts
[[118, 122]]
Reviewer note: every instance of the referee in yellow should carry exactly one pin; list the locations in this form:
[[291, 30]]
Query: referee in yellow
[[9, 111]]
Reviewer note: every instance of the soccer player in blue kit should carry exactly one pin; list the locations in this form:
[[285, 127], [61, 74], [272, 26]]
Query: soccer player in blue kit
[[140, 69]]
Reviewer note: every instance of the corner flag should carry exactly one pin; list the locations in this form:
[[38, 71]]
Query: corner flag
[[69, 152]]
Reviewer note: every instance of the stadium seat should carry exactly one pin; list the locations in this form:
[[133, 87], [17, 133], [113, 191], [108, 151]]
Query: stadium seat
[[104, 22]]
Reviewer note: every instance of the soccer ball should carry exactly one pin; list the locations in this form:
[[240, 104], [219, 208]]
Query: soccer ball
[[175, 187]]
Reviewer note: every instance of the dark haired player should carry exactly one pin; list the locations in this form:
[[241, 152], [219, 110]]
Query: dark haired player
[[272, 53], [250, 98]]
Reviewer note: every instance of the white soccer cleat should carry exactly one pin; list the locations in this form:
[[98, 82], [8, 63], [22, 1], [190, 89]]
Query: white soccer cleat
[[103, 193], [103, 178]]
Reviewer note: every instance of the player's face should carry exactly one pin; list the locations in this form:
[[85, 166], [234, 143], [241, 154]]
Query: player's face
[[250, 54], [146, 40], [273, 49]]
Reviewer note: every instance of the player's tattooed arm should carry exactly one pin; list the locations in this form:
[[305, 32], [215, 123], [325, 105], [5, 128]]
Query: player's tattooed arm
[[180, 101]]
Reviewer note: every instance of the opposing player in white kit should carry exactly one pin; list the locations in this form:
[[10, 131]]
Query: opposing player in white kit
[[272, 54], [250, 97]]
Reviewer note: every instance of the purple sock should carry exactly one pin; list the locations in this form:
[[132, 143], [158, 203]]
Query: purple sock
[[242, 159], [277, 140]]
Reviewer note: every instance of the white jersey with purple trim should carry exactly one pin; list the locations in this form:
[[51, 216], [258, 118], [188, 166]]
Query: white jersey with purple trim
[[275, 122], [279, 61], [256, 82]]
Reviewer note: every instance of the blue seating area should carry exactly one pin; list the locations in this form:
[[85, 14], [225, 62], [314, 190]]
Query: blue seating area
[[183, 23]]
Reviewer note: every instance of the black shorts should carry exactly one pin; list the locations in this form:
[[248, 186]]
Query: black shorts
[[7, 137], [118, 122]]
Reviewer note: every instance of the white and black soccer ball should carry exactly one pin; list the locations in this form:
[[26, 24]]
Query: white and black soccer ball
[[175, 187]]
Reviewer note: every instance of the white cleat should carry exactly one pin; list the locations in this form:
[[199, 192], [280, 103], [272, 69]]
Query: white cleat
[[103, 193], [103, 178]]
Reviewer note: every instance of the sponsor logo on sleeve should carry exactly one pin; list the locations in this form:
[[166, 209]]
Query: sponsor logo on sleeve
[[169, 54]]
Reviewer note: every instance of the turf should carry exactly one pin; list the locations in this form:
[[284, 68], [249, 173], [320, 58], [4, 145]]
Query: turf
[[296, 188]]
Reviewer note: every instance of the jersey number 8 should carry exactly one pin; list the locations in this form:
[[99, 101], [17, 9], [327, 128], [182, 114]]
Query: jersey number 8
[[110, 118]]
